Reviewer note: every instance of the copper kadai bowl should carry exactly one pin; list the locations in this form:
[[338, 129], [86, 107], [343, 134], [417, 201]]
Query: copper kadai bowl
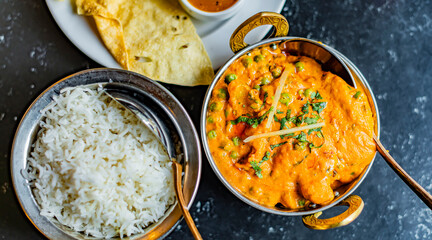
[[329, 58]]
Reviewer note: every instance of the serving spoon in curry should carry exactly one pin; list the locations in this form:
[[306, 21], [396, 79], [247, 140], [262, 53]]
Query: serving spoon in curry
[[152, 123], [415, 187]]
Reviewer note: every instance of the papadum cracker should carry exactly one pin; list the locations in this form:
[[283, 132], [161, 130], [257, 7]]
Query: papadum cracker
[[152, 37]]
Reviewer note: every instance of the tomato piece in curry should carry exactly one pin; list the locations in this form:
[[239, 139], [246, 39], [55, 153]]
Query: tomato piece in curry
[[294, 169]]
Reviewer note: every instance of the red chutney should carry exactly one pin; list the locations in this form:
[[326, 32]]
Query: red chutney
[[299, 168], [212, 5]]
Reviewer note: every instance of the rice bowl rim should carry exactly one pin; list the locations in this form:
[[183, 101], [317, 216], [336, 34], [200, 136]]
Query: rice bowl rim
[[166, 103]]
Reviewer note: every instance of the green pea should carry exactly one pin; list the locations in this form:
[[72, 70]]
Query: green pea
[[234, 154], [285, 98], [212, 134], [230, 77], [300, 92], [210, 120], [265, 81], [273, 46], [258, 58], [307, 92], [357, 95], [299, 66], [276, 72], [301, 202], [236, 141], [215, 106], [222, 93], [247, 61], [255, 106], [257, 87]]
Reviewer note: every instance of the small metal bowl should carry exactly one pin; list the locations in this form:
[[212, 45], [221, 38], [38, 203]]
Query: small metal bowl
[[172, 124], [329, 59], [211, 16]]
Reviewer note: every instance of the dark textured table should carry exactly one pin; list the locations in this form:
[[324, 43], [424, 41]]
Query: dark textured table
[[390, 42]]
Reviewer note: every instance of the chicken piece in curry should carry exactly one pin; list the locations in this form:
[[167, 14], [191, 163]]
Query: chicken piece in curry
[[292, 169]]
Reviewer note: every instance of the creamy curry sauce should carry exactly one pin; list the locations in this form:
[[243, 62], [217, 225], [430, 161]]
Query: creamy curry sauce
[[296, 169]]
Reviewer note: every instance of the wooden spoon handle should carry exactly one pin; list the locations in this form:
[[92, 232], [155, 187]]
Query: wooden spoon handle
[[179, 192], [415, 187]]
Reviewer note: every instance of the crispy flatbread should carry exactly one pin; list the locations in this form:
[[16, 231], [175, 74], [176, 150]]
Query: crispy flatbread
[[152, 37]]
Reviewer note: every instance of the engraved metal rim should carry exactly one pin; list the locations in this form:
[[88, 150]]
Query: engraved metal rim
[[344, 60], [23, 136]]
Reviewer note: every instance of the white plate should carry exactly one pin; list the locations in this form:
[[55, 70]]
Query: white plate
[[215, 35]]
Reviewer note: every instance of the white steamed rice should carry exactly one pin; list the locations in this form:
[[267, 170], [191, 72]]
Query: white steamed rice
[[96, 169]]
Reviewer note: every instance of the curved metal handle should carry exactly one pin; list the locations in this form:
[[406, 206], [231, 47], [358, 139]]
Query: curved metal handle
[[415, 187], [263, 18], [355, 204], [179, 192]]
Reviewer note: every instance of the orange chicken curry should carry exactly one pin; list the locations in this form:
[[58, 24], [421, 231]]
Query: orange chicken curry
[[293, 169]]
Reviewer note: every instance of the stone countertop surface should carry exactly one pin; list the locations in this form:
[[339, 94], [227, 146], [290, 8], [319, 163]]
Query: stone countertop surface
[[389, 41]]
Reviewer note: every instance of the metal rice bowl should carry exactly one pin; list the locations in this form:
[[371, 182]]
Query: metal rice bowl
[[172, 123]]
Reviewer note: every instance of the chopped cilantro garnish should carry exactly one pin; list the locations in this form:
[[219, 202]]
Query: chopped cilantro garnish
[[305, 108], [284, 120], [260, 119], [287, 135], [282, 123], [313, 95], [318, 96], [314, 130], [265, 97], [292, 119], [253, 122], [319, 106], [311, 145], [320, 135], [265, 158], [257, 166], [310, 120], [299, 120], [302, 137], [297, 163], [250, 121], [277, 145]]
